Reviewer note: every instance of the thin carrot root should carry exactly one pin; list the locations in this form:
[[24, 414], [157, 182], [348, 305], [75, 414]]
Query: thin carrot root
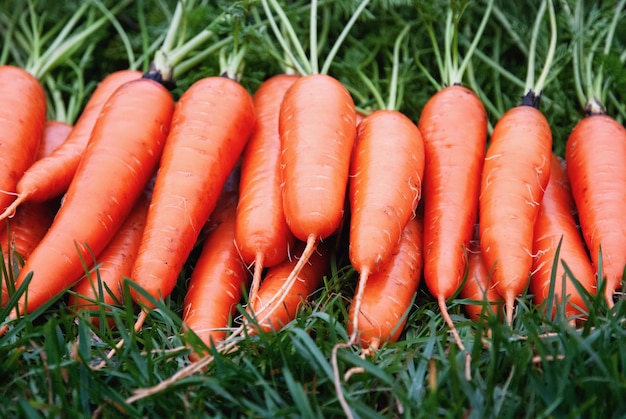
[[446, 316], [137, 327], [337, 381], [256, 278], [510, 303], [363, 277], [10, 210]]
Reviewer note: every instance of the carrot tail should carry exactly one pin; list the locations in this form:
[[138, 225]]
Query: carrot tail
[[358, 298], [10, 210], [446, 316], [509, 303], [137, 327], [256, 278], [311, 245]]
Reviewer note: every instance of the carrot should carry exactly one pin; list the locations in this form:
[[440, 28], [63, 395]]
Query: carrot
[[478, 285], [54, 134], [50, 177], [308, 281], [217, 280], [556, 226], [515, 175], [387, 298], [595, 153], [102, 285], [261, 232], [127, 140], [212, 122], [23, 110]]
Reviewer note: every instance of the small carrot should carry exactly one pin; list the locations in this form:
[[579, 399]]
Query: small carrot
[[277, 313], [387, 298], [478, 285], [515, 175], [212, 122], [217, 282], [556, 224], [261, 232], [50, 177], [127, 140], [23, 110], [104, 282]]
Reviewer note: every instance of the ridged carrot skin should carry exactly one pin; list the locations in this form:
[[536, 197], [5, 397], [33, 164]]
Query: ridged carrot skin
[[50, 177], [556, 222], [384, 187], [55, 133], [23, 110], [595, 153], [278, 313], [212, 123], [121, 156], [478, 285], [261, 233], [217, 281], [453, 124], [387, 297], [317, 125], [114, 263], [515, 176]]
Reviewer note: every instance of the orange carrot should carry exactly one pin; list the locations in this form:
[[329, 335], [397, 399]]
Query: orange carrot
[[212, 122], [596, 167], [478, 285], [556, 224], [23, 110], [217, 280], [103, 284], [387, 298], [384, 189], [51, 176], [55, 133], [121, 156], [308, 281], [317, 125], [261, 232]]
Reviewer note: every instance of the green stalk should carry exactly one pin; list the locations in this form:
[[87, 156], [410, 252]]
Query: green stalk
[[551, 50], [313, 38], [393, 84], [530, 74]]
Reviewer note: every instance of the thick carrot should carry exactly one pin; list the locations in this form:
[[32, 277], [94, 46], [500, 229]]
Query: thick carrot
[[556, 224], [218, 280], [121, 156], [308, 281], [384, 188], [478, 285], [261, 232], [54, 134], [515, 176], [23, 110], [104, 282], [387, 298], [50, 177], [595, 153], [212, 122], [317, 125]]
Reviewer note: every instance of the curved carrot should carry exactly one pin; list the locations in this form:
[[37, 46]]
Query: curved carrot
[[595, 153], [261, 233], [122, 155], [103, 284], [309, 279], [384, 189], [23, 110], [515, 176], [317, 125], [217, 281], [389, 292], [478, 285], [50, 177], [54, 134], [212, 122], [556, 224]]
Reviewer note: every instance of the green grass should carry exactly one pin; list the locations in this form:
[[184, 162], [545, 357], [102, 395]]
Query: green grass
[[50, 361]]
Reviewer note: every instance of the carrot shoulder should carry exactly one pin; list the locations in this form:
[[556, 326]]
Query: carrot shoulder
[[121, 156], [211, 125]]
